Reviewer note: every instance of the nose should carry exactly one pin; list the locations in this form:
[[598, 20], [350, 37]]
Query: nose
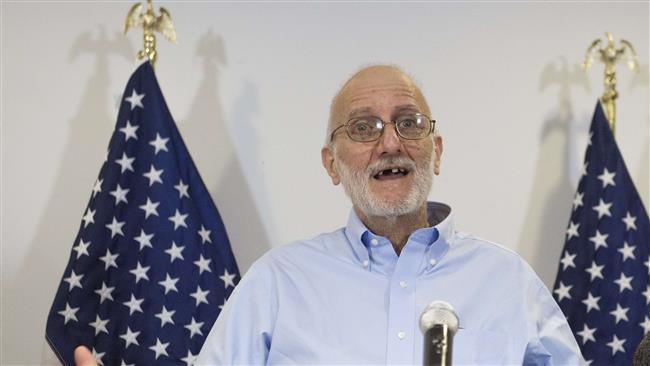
[[389, 142]]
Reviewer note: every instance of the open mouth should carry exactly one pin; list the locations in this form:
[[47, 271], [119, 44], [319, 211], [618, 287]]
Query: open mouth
[[391, 173]]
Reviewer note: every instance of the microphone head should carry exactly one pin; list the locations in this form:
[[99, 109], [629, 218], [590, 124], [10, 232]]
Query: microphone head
[[439, 312]]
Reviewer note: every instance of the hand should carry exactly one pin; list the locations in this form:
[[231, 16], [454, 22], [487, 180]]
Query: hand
[[83, 357]]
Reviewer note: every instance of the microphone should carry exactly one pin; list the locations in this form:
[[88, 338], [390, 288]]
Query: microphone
[[438, 323]]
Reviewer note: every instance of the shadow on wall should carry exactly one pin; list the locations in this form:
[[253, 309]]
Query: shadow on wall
[[216, 154], [542, 238]]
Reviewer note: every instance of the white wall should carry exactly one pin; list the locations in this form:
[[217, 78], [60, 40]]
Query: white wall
[[249, 85]]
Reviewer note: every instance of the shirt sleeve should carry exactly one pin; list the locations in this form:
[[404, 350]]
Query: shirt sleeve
[[243, 331]]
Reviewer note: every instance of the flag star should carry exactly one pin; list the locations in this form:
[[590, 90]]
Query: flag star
[[584, 168], [125, 162], [135, 99], [572, 230], [577, 201], [109, 259], [126, 364], [205, 235], [140, 272], [591, 302], [105, 292], [89, 217], [100, 325], [153, 175], [607, 178], [599, 239], [97, 187], [595, 271], [165, 316], [563, 291], [98, 356], [228, 278], [134, 305], [159, 144], [194, 327], [222, 305], [69, 313], [129, 131], [567, 260], [591, 135], [150, 208], [646, 325], [203, 264], [646, 293], [182, 189], [627, 251], [130, 337], [159, 348], [178, 219], [169, 284], [115, 227], [587, 334], [81, 248], [190, 359], [175, 252], [200, 296], [647, 264], [623, 282], [616, 345], [630, 221], [603, 209], [620, 313], [144, 239], [120, 195], [74, 280]]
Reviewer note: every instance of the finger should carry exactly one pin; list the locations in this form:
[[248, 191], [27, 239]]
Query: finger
[[83, 357]]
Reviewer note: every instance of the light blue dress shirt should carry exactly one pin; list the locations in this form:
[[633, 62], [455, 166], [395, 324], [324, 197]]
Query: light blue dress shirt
[[346, 298]]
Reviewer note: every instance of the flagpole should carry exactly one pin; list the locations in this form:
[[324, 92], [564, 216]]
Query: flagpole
[[609, 56], [150, 22]]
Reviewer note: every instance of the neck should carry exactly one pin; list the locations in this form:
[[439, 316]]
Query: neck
[[397, 229]]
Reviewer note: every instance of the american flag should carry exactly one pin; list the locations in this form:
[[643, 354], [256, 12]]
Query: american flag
[[603, 282], [151, 266]]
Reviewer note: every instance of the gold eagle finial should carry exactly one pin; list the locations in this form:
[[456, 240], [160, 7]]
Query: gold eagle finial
[[149, 23]]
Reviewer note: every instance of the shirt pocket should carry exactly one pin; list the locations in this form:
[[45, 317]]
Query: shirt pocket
[[480, 347]]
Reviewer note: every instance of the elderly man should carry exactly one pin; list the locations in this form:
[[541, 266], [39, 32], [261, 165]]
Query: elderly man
[[354, 296]]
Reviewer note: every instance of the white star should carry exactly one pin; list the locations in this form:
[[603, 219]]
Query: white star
[[175, 252], [81, 248], [182, 189], [178, 219], [591, 302], [203, 264], [228, 278], [584, 168], [89, 217], [194, 327], [130, 337], [200, 295], [599, 239], [595, 271], [623, 282], [646, 293], [150, 208], [159, 348], [190, 359], [99, 324], [627, 251], [567, 260], [603, 208], [591, 135], [165, 316], [169, 284], [134, 305], [135, 99], [115, 227], [97, 187], [154, 175], [607, 178], [587, 334], [109, 259], [630, 221], [647, 264], [74, 280], [69, 313], [205, 235], [563, 291], [125, 162], [616, 345], [144, 239], [159, 144], [98, 357], [105, 293], [222, 305], [120, 195], [572, 231], [129, 131], [646, 325], [126, 364], [620, 313], [140, 272], [577, 201]]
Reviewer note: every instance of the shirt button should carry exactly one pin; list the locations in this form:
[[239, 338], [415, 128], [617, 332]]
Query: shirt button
[[433, 262], [365, 263], [401, 335], [374, 242], [402, 284]]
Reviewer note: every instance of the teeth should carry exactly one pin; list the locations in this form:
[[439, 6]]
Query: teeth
[[395, 171], [381, 173]]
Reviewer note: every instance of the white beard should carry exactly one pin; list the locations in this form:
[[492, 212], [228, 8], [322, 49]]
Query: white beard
[[356, 185]]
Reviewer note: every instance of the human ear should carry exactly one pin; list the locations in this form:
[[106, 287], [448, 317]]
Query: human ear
[[327, 157], [437, 146]]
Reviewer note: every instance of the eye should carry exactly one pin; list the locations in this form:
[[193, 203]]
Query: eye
[[364, 129]]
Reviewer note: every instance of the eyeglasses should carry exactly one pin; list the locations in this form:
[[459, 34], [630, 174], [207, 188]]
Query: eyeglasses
[[366, 129]]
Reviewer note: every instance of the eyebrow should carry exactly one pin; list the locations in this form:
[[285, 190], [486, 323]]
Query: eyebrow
[[363, 111]]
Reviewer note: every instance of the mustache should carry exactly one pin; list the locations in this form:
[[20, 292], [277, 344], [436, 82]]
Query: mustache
[[391, 162]]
